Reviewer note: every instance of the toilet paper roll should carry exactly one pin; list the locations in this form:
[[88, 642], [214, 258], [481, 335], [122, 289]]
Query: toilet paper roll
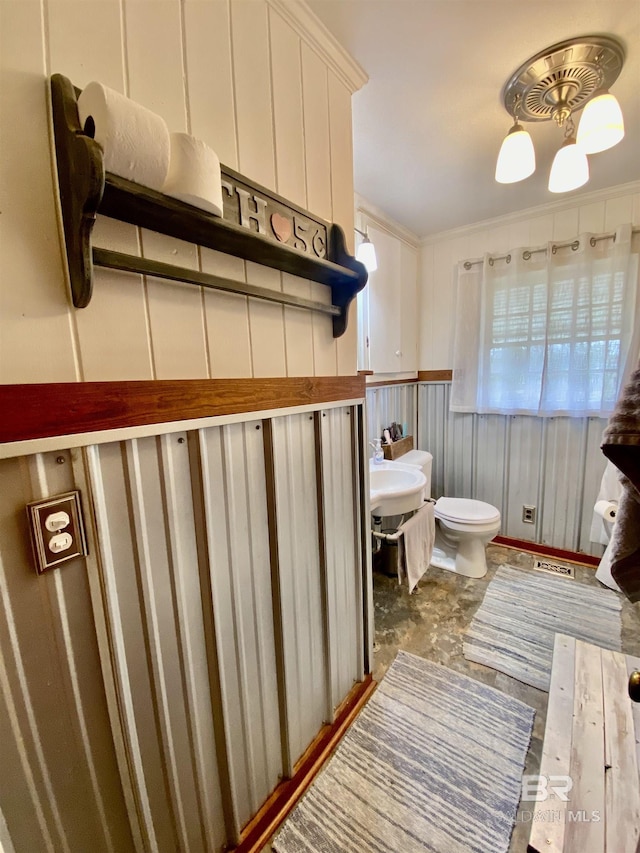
[[606, 510], [134, 139], [194, 173]]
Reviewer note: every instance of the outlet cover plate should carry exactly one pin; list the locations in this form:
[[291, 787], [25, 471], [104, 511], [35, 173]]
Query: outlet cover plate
[[38, 512]]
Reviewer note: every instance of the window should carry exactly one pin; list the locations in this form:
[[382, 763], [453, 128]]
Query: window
[[550, 332]]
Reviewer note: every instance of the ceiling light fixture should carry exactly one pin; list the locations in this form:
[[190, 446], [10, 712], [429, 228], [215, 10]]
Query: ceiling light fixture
[[517, 158], [554, 84], [601, 126], [570, 167], [366, 252]]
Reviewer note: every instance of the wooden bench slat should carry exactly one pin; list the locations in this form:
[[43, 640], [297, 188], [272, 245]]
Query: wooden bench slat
[[586, 810], [622, 794], [548, 823], [633, 664], [592, 734]]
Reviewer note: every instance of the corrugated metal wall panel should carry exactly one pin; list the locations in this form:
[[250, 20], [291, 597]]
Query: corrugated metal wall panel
[[148, 500], [240, 570], [147, 548], [433, 408], [595, 463], [183, 549], [60, 784], [524, 475], [215, 626], [342, 544], [303, 621], [390, 403], [554, 464], [563, 465], [489, 481], [459, 455]]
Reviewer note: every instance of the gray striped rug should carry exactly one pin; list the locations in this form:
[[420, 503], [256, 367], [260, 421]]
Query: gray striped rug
[[432, 763], [513, 629]]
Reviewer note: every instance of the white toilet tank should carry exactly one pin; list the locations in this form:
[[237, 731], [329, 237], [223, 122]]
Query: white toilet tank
[[423, 460]]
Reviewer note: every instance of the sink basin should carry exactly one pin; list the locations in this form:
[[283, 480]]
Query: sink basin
[[395, 488]]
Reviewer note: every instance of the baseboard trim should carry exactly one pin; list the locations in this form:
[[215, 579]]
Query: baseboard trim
[[548, 551], [266, 822]]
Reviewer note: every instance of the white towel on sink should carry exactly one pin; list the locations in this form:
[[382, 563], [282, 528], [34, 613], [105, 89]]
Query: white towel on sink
[[419, 533]]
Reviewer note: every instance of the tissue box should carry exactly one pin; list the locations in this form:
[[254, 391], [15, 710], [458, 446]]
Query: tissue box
[[398, 448]]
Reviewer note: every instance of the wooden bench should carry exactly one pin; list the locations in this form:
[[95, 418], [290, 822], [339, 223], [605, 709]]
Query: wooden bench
[[592, 736]]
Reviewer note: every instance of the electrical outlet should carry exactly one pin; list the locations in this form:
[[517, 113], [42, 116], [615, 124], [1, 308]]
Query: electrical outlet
[[529, 514], [57, 530]]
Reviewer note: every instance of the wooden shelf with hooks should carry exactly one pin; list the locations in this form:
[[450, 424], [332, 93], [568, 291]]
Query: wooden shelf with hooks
[[297, 242]]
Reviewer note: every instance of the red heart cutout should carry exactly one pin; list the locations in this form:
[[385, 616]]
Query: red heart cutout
[[281, 227]]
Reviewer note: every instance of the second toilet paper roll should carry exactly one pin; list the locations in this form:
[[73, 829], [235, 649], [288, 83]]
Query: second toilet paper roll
[[134, 139], [194, 173], [606, 510]]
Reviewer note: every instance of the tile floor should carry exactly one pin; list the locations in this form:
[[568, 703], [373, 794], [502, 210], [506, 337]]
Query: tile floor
[[431, 623]]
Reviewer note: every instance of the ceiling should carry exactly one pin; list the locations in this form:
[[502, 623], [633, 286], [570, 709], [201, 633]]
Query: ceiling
[[428, 125]]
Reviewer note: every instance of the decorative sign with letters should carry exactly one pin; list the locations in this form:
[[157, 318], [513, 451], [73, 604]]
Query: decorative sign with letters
[[263, 212]]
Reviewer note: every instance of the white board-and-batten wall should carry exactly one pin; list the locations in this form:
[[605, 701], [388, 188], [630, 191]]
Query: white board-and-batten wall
[[261, 82], [117, 735]]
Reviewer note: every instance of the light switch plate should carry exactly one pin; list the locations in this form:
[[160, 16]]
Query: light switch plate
[[50, 547]]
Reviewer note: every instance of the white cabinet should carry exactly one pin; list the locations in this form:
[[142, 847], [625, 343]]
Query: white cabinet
[[388, 313]]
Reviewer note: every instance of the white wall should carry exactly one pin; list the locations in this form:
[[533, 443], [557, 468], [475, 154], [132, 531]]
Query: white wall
[[597, 212], [262, 83]]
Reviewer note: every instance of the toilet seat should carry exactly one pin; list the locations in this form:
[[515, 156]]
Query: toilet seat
[[466, 511]]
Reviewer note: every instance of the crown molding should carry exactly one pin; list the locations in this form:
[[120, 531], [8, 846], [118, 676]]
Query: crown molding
[[377, 216], [532, 212], [314, 33]]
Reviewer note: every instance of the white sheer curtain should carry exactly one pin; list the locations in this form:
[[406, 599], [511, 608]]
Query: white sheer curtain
[[546, 332]]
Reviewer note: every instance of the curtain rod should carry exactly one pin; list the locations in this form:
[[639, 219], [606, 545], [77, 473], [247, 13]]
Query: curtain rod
[[526, 255]]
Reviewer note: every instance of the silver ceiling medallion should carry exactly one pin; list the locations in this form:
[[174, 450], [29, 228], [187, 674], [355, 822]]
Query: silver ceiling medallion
[[561, 79]]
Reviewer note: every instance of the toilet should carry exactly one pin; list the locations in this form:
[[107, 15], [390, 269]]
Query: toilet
[[463, 526]]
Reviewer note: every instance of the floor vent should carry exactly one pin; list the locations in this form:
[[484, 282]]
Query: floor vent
[[554, 568]]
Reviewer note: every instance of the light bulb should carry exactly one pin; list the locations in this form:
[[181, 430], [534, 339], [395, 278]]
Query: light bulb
[[366, 254], [517, 159], [570, 168], [601, 125]]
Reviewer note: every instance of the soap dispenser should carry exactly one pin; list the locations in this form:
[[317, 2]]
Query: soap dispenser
[[378, 453]]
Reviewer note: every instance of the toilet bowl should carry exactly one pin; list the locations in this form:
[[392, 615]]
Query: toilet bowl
[[463, 529], [463, 526]]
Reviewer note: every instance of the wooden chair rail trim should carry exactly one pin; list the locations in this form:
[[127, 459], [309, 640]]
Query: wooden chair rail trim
[[423, 376], [435, 375], [68, 408]]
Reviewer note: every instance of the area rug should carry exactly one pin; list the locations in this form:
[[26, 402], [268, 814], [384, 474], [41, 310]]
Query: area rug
[[433, 763], [514, 627]]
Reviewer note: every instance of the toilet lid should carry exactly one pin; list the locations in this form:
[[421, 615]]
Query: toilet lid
[[466, 511]]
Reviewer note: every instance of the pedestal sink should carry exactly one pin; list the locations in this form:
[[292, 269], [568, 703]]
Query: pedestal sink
[[395, 488]]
